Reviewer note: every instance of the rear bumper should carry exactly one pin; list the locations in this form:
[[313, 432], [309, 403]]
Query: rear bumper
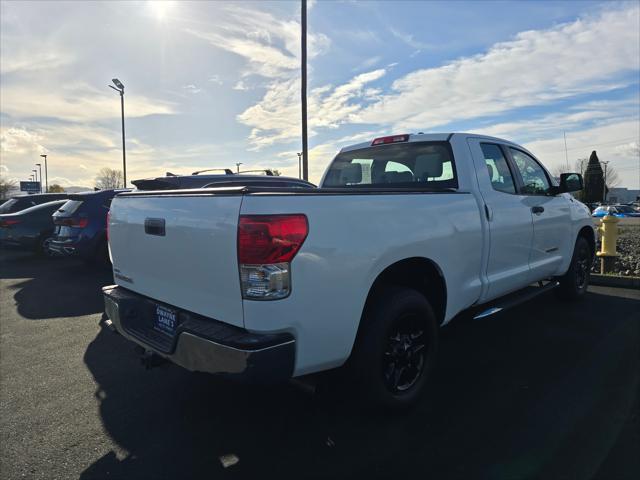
[[202, 344], [62, 248]]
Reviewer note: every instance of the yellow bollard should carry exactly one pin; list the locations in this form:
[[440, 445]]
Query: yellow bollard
[[608, 230]]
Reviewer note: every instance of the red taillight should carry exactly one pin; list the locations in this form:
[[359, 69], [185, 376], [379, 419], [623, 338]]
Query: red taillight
[[9, 222], [77, 222], [390, 139], [268, 239]]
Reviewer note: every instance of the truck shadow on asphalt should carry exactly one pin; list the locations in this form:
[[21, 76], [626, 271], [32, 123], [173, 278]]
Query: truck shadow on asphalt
[[54, 287], [541, 391]]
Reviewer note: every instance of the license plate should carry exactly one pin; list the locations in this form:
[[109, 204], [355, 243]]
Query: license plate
[[166, 320]]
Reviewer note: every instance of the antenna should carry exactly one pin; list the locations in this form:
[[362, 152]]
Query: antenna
[[566, 155]]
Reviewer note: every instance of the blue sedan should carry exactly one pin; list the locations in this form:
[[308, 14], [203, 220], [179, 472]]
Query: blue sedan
[[622, 211]]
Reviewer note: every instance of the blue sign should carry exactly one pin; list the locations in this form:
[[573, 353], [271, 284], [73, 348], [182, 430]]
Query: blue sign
[[31, 187]]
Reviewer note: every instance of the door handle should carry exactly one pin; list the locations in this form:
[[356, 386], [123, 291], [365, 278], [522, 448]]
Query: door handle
[[537, 209]]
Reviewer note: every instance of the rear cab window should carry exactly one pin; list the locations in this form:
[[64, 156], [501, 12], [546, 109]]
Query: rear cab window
[[428, 165]]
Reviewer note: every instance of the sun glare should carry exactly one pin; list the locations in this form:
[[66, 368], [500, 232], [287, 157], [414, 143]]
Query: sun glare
[[161, 8]]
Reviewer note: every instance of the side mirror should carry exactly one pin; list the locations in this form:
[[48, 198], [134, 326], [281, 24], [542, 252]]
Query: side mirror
[[570, 182]]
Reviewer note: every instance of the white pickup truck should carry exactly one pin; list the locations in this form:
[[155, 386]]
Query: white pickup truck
[[403, 234]]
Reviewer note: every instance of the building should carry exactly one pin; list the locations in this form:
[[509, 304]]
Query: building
[[622, 195]]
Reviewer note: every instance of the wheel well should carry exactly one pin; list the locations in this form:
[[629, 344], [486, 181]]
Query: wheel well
[[588, 234], [418, 273]]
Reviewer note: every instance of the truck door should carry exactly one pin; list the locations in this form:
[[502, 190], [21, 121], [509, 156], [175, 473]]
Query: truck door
[[551, 214], [509, 220]]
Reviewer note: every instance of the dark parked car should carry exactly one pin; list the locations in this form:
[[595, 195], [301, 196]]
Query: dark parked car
[[226, 179], [30, 228], [81, 226], [15, 204]]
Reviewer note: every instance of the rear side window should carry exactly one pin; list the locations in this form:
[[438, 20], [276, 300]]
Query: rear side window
[[424, 164], [498, 168], [6, 207], [70, 207]]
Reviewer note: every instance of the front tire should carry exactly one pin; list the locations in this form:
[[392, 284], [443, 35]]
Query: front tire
[[574, 283], [396, 348]]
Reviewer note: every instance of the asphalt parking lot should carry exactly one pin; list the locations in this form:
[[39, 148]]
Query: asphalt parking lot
[[545, 390]]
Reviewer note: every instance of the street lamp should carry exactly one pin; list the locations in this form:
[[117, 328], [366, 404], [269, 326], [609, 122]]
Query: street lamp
[[238, 166], [46, 175], [299, 164], [303, 89], [119, 87], [39, 165], [35, 173]]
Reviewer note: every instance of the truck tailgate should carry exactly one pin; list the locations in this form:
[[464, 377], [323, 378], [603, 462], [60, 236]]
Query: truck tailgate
[[179, 249]]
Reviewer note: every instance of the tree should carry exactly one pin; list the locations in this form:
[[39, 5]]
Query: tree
[[613, 180], [108, 178], [276, 173], [593, 180], [55, 188], [578, 167], [6, 185]]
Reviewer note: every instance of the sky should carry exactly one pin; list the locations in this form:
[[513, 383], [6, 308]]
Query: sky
[[212, 84]]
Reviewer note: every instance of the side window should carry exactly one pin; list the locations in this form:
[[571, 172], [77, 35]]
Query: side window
[[497, 168], [534, 178]]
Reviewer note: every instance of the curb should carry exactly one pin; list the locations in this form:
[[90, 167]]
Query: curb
[[614, 281]]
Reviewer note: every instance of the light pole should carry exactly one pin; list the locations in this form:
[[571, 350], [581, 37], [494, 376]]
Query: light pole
[[119, 87], [39, 165], [303, 89], [299, 164], [35, 173], [238, 167], [604, 193], [46, 175]]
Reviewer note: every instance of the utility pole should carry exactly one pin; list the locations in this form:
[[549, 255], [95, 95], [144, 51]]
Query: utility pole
[[46, 175], [604, 193], [303, 90]]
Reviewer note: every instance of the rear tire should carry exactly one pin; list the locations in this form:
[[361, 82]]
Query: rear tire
[[574, 283], [42, 247], [396, 348]]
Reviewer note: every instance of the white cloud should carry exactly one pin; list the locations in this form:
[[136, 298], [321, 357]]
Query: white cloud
[[408, 39], [33, 61], [576, 117], [216, 79], [76, 102], [270, 45], [368, 63], [631, 149], [276, 118], [191, 88], [608, 140], [589, 55]]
